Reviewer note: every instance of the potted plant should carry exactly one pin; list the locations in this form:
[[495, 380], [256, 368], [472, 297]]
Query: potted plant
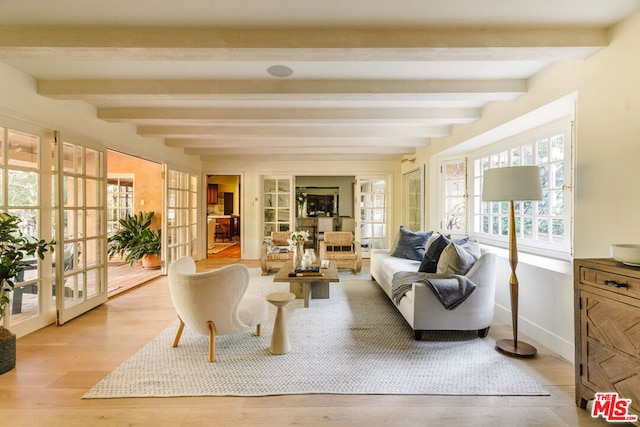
[[14, 246], [136, 241]]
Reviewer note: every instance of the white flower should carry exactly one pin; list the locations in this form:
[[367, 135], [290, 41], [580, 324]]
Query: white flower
[[298, 238]]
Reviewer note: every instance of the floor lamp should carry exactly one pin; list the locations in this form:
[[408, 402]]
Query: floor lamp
[[520, 183]]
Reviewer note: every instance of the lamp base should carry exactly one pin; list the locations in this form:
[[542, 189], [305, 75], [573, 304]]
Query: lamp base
[[522, 349]]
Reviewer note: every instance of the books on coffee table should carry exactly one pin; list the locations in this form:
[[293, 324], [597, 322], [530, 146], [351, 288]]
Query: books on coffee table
[[311, 269], [306, 271]]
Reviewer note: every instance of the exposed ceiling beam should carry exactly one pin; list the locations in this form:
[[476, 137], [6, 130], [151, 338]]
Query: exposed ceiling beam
[[193, 116], [294, 142], [282, 89], [295, 44], [299, 150], [334, 158], [294, 131]]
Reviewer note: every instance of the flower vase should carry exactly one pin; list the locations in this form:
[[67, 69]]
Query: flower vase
[[298, 251], [307, 261], [311, 253]]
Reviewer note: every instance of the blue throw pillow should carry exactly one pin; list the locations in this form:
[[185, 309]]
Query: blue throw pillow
[[411, 245], [429, 263]]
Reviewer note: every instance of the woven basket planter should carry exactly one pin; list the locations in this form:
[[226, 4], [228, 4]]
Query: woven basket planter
[[7, 354]]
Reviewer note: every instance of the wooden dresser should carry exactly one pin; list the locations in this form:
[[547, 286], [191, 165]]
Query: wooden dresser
[[607, 330]]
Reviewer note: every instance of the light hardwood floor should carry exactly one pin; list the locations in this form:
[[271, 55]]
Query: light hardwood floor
[[57, 365]]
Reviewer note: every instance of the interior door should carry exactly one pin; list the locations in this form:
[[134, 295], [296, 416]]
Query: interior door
[[80, 223], [373, 206]]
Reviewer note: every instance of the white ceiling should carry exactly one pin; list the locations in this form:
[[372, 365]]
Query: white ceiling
[[371, 79]]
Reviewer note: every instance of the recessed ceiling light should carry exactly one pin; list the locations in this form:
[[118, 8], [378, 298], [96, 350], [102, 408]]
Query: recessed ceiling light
[[279, 71]]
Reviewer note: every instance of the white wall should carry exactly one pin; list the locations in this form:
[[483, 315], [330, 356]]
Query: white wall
[[607, 108], [608, 156]]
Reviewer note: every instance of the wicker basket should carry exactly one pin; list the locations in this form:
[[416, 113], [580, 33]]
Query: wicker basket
[[7, 354]]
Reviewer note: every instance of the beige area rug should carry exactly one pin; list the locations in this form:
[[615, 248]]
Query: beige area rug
[[219, 247], [355, 342]]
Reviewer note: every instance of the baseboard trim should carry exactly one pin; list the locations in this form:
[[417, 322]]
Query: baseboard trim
[[563, 347]]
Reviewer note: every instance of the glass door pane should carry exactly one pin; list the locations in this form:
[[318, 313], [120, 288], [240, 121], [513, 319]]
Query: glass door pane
[[373, 201]]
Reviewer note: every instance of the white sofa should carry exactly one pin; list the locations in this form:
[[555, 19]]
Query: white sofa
[[422, 309]]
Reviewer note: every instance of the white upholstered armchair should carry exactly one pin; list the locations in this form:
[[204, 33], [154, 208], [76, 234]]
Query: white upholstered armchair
[[214, 302]]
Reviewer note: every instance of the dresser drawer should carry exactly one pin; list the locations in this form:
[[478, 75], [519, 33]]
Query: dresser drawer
[[607, 330], [618, 283]]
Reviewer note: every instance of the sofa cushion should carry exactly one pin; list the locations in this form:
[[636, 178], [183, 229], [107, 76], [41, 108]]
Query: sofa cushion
[[429, 263], [458, 259], [411, 245]]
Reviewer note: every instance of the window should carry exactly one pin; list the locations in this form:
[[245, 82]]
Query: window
[[454, 179], [119, 200], [545, 224]]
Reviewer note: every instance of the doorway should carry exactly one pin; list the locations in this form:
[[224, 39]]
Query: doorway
[[133, 185], [223, 216]]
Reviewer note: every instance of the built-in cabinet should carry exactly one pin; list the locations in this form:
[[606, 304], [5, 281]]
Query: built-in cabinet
[[607, 330], [212, 194]]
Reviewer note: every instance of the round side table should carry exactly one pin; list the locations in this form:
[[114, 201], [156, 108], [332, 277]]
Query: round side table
[[280, 338]]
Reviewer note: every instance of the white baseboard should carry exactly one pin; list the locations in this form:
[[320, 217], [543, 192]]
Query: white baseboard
[[563, 347]]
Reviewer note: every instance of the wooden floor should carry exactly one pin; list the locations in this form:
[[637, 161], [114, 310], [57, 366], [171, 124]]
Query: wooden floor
[[122, 277], [57, 365]]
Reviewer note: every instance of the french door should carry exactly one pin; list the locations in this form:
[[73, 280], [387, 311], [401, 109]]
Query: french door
[[277, 204], [373, 196], [180, 219], [25, 192], [56, 187], [80, 227]]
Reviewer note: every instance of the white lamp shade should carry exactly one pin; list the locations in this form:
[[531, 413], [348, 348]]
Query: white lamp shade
[[512, 183]]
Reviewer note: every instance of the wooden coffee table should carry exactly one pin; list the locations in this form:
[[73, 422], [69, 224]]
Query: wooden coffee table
[[308, 286]]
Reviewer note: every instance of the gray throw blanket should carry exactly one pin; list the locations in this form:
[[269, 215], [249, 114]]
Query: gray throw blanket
[[451, 289]]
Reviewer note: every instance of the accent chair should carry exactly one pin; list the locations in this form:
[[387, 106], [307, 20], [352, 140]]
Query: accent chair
[[339, 246], [270, 258], [214, 302]]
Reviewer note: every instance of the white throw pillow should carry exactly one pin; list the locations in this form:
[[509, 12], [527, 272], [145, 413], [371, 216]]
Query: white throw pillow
[[272, 247]]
